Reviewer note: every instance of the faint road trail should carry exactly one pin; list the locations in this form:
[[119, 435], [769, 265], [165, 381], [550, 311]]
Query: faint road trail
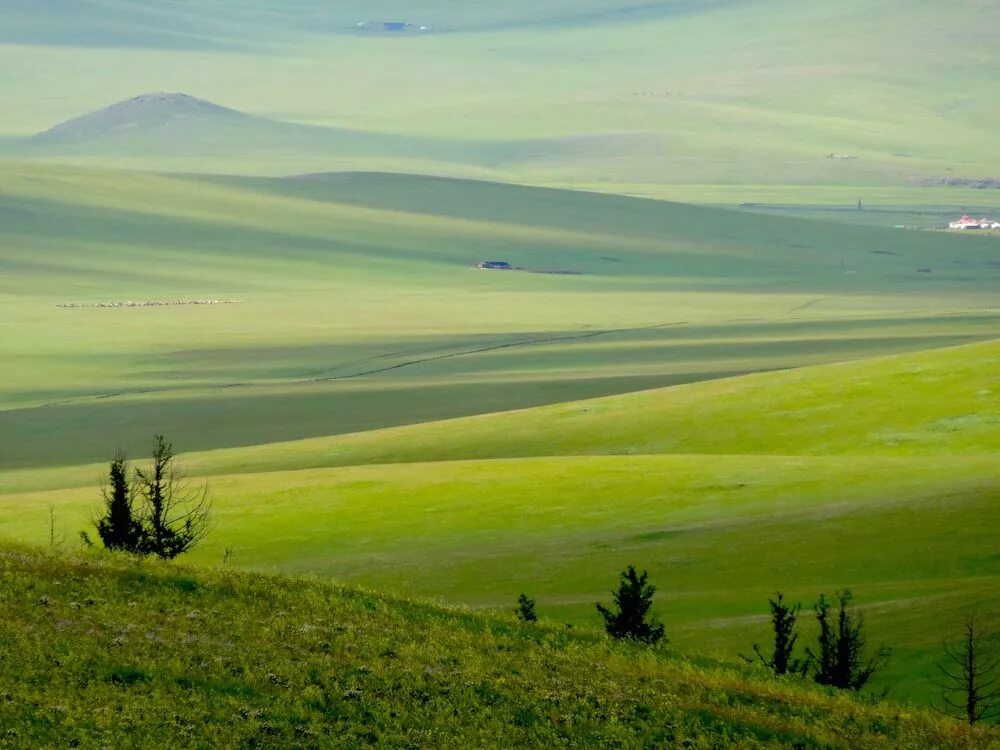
[[492, 348]]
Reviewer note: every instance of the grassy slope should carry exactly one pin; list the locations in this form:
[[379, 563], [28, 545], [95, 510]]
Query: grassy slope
[[108, 652], [343, 275], [847, 408], [862, 475], [721, 96]]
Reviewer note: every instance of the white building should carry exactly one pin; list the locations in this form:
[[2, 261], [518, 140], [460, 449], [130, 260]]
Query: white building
[[967, 222]]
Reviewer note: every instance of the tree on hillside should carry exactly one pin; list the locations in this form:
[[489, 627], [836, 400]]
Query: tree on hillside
[[175, 515], [971, 677], [525, 609], [156, 511], [841, 661], [118, 527], [631, 618], [783, 620]]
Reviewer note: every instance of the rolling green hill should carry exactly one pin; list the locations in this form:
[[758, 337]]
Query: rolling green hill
[[359, 306], [105, 651], [863, 475]]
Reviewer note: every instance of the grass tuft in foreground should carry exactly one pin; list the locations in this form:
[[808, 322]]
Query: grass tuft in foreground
[[98, 651]]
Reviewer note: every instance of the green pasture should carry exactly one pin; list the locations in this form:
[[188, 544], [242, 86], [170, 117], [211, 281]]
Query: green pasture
[[313, 406], [878, 475], [359, 307]]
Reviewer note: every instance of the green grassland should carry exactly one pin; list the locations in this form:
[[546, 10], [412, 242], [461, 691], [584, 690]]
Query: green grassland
[[768, 390], [360, 308], [112, 652], [879, 475], [362, 324]]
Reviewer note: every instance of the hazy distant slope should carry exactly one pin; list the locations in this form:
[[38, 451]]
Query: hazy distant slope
[[728, 96], [105, 23], [179, 132], [445, 225], [206, 23]]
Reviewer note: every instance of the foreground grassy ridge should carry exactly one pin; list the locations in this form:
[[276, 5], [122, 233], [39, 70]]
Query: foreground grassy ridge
[[100, 651], [718, 534]]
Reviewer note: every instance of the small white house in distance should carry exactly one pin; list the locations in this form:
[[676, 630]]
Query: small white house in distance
[[967, 222]]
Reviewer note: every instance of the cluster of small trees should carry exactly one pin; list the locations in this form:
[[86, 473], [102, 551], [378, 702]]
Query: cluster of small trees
[[152, 510], [970, 676], [839, 659]]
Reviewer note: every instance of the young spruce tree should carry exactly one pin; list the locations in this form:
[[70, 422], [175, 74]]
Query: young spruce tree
[[841, 661], [525, 609], [631, 619], [118, 527], [783, 620]]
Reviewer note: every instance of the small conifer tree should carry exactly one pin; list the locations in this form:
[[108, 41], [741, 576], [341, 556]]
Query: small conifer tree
[[841, 661], [631, 618], [783, 620], [525, 609], [118, 527]]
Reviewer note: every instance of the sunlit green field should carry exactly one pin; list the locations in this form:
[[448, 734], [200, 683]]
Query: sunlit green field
[[863, 475]]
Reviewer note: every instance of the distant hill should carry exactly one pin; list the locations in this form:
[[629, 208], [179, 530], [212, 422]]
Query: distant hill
[[170, 124], [180, 132], [189, 131], [118, 653], [166, 114]]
